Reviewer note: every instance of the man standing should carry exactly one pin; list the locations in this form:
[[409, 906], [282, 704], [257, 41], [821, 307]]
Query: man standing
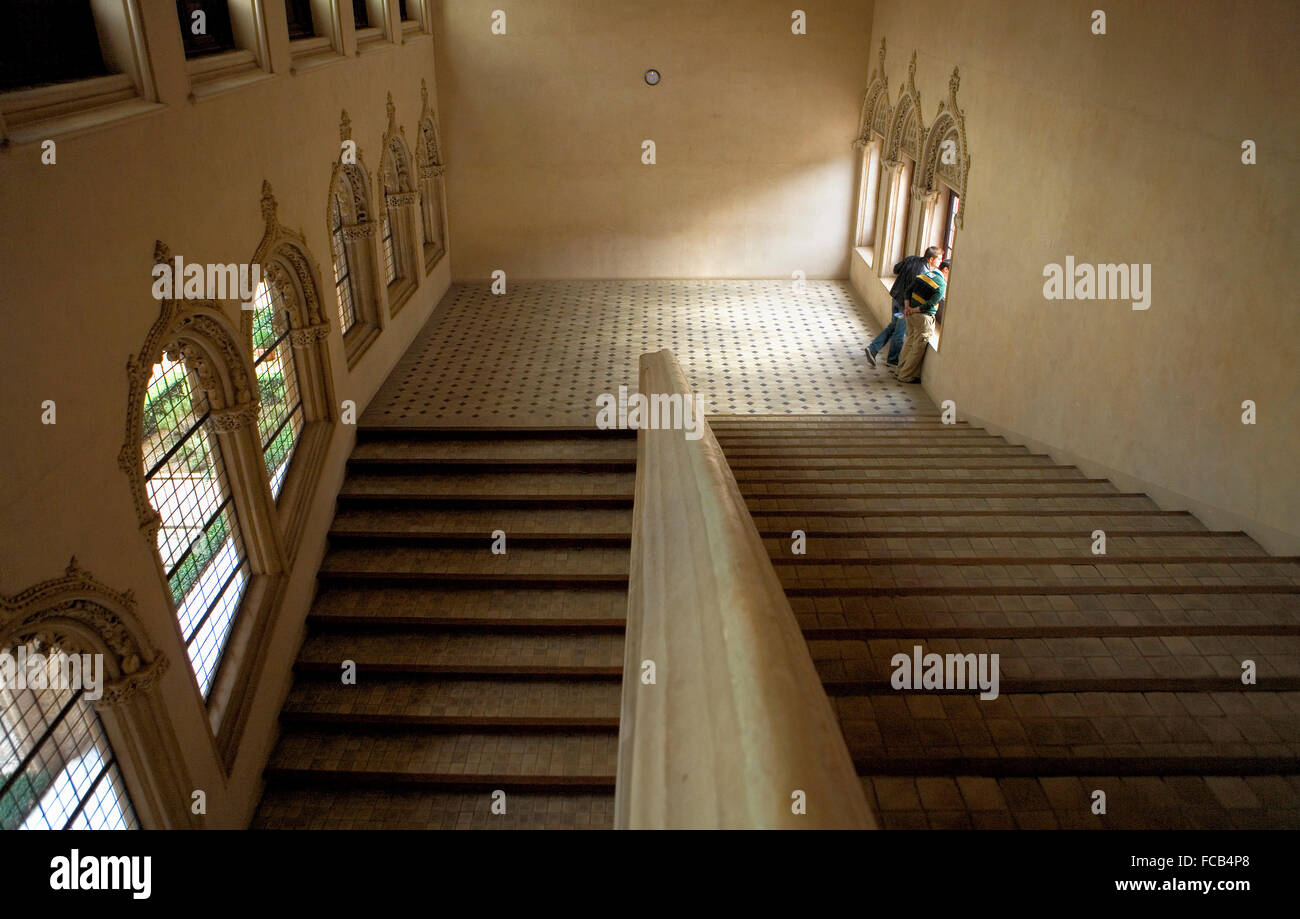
[[905, 272], [927, 291]]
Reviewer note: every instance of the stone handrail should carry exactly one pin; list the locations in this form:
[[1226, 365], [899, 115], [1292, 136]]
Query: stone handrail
[[736, 731]]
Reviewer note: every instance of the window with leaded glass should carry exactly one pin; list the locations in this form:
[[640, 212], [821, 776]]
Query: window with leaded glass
[[390, 259], [199, 542], [57, 770], [360, 15], [342, 279], [280, 419]]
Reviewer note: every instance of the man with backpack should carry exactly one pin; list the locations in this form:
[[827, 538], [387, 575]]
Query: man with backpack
[[924, 296], [905, 273]]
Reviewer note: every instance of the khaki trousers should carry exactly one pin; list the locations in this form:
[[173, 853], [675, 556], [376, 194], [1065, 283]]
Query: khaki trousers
[[919, 329]]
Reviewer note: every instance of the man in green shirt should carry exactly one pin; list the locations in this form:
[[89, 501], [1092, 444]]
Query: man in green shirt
[[921, 305]]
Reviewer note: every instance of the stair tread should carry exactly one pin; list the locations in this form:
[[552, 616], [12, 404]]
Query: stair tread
[[378, 603], [483, 523], [459, 754], [424, 809], [502, 450], [516, 562], [416, 697], [561, 484], [1065, 801], [399, 648]]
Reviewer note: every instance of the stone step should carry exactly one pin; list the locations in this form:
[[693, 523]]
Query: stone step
[[750, 478], [1037, 802], [1115, 662], [991, 464], [1072, 733], [902, 547], [1003, 501], [546, 484], [504, 450], [340, 604], [1026, 574], [904, 486], [412, 808], [516, 562], [833, 523], [428, 701], [418, 651], [597, 521], [469, 759], [883, 451], [1168, 613]]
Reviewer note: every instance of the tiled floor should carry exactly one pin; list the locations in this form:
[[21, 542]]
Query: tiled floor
[[541, 353]]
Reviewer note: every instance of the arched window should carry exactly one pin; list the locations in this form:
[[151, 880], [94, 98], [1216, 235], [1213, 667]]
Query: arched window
[[349, 217], [400, 215], [342, 277], [941, 182], [280, 417], [872, 128], [98, 696], [57, 770], [286, 335], [195, 467], [901, 150], [199, 540], [431, 185]]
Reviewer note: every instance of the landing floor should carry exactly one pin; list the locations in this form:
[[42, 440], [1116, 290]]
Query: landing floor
[[540, 354]]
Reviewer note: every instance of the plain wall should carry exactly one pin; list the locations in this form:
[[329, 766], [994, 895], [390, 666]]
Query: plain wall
[[753, 127], [1124, 147], [75, 289]]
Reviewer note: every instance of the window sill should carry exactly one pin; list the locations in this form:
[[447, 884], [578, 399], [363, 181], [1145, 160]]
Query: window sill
[[868, 254], [295, 504], [358, 341], [412, 31], [78, 122], [311, 54], [432, 256], [399, 293], [230, 702], [222, 73], [69, 108], [371, 40]]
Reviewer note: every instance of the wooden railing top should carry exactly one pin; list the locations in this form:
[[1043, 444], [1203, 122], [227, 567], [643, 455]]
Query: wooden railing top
[[724, 720]]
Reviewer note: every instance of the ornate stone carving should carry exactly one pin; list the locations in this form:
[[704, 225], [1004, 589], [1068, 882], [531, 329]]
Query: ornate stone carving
[[875, 104], [76, 613], [288, 266], [197, 332], [232, 419], [302, 338], [944, 152], [345, 126], [429, 148], [361, 231], [905, 125], [401, 199]]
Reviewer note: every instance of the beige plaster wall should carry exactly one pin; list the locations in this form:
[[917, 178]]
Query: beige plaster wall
[[78, 239], [1125, 148], [753, 127]]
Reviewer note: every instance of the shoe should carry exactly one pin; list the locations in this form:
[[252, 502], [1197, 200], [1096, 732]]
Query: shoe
[[916, 380], [871, 358], [891, 363]]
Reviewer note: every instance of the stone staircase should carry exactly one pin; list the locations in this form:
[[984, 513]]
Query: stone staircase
[[1120, 672], [475, 672]]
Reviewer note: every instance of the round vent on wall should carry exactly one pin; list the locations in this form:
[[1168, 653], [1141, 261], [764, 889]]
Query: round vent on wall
[[652, 77]]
